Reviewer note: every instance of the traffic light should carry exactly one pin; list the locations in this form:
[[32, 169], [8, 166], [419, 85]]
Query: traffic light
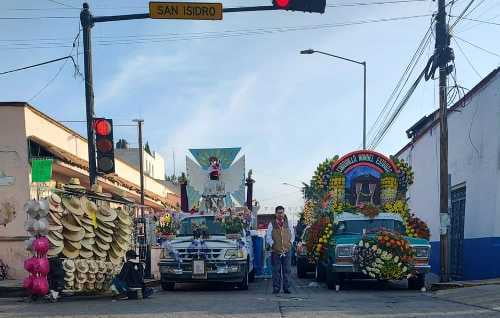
[[104, 145], [317, 6]]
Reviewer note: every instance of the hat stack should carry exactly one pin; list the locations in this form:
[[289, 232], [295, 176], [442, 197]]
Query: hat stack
[[121, 237], [88, 223], [104, 231], [73, 231], [69, 273], [55, 226], [74, 186]]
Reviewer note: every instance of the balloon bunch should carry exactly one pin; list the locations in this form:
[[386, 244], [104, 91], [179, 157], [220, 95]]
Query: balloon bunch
[[38, 244]]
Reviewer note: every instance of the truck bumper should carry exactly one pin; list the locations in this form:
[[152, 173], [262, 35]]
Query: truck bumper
[[225, 272], [344, 268]]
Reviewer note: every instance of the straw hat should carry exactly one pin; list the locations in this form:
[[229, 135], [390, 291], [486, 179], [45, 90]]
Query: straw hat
[[124, 220], [99, 277], [57, 235], [105, 230], [55, 250], [86, 220], [69, 266], [102, 267], [69, 277], [97, 189], [109, 267], [74, 184], [54, 218], [99, 252], [88, 227], [76, 245], [55, 228], [89, 235], [123, 194], [126, 230], [106, 214], [86, 253], [115, 251], [115, 260], [104, 236], [55, 203], [93, 266], [102, 245], [108, 224], [88, 207], [80, 279], [73, 204], [69, 252], [79, 285], [74, 236], [54, 240], [82, 266], [70, 223]]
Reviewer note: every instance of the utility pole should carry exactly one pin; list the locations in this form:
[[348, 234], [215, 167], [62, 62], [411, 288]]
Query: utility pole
[[442, 54], [87, 24]]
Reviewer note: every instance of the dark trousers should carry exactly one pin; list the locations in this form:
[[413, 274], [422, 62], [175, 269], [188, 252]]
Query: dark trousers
[[281, 270]]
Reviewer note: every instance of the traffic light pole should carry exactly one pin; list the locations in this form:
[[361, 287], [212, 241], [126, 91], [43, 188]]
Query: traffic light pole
[[87, 23]]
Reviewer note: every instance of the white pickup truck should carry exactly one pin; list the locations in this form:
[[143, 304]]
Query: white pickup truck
[[214, 258]]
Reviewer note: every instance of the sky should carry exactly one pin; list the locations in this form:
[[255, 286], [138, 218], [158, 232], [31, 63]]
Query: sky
[[240, 82]]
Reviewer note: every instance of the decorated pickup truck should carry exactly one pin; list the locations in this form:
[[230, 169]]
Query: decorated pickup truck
[[203, 251], [360, 222]]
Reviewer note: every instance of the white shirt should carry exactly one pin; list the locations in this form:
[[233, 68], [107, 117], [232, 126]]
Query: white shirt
[[269, 234]]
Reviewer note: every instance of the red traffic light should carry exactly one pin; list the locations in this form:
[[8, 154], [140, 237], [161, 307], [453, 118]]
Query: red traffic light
[[104, 145], [102, 127], [282, 4]]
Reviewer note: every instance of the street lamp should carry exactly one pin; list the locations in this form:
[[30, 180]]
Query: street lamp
[[291, 185], [311, 51]]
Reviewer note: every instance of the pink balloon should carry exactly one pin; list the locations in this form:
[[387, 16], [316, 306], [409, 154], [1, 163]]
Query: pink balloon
[[41, 266], [29, 264], [41, 245], [28, 282], [40, 286]]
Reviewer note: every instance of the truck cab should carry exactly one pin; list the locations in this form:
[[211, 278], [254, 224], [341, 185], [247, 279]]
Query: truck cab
[[213, 257], [338, 265]]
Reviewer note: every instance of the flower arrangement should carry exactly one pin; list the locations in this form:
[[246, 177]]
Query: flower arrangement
[[405, 177], [388, 187], [321, 178], [318, 238], [309, 217], [388, 256], [337, 187], [233, 220], [166, 225], [398, 207], [368, 210], [417, 228]]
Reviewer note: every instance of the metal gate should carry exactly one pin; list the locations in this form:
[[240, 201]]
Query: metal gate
[[457, 220]]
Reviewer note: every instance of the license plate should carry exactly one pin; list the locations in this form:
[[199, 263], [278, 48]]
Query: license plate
[[198, 268]]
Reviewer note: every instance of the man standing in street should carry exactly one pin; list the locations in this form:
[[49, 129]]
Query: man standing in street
[[279, 237]]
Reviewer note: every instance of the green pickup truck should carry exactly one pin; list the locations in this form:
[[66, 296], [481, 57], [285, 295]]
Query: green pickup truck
[[339, 261]]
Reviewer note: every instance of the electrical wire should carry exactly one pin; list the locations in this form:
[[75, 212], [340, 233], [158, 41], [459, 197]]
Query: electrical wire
[[461, 15], [206, 35], [63, 4], [467, 59], [384, 116], [477, 46], [39, 64]]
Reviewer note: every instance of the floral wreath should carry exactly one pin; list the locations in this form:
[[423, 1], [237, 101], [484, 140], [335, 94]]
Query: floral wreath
[[387, 256]]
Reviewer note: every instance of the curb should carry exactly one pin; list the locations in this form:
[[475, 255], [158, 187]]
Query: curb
[[453, 285]]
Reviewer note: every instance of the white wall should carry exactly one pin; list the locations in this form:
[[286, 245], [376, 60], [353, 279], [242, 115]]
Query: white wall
[[154, 166], [474, 158]]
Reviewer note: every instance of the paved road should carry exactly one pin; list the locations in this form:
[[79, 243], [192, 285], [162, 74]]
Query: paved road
[[359, 299]]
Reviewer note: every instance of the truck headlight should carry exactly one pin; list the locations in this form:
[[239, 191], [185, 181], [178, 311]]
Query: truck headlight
[[344, 251], [421, 252], [167, 253], [233, 253]]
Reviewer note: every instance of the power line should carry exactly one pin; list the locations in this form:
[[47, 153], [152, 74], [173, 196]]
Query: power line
[[484, 21], [39, 64], [63, 4], [213, 35], [37, 18], [467, 59], [477, 46]]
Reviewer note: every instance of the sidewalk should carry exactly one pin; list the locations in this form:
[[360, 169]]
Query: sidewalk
[[14, 287]]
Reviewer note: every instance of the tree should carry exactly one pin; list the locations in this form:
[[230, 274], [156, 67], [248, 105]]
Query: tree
[[147, 149]]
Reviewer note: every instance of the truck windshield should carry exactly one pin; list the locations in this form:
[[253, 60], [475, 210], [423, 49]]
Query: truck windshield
[[208, 222], [357, 226]]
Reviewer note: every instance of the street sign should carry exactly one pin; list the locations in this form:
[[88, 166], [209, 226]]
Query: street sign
[[185, 10]]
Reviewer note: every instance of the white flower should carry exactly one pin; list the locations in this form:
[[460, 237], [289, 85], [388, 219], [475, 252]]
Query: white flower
[[374, 247], [379, 251], [396, 259], [367, 245], [404, 269], [364, 272], [372, 275], [360, 244]]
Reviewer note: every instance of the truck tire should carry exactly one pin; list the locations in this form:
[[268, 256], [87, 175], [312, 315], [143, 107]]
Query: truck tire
[[251, 276], [301, 269], [416, 282], [320, 275], [167, 286], [244, 283]]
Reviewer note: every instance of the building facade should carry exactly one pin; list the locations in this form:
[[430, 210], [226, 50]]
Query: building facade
[[27, 134], [154, 164], [474, 166]]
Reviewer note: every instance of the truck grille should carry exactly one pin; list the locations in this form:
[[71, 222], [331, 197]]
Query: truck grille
[[187, 254]]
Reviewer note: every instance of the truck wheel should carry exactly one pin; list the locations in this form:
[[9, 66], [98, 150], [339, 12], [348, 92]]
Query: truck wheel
[[320, 273], [332, 279], [416, 282], [251, 276], [301, 269], [168, 285], [244, 283]]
